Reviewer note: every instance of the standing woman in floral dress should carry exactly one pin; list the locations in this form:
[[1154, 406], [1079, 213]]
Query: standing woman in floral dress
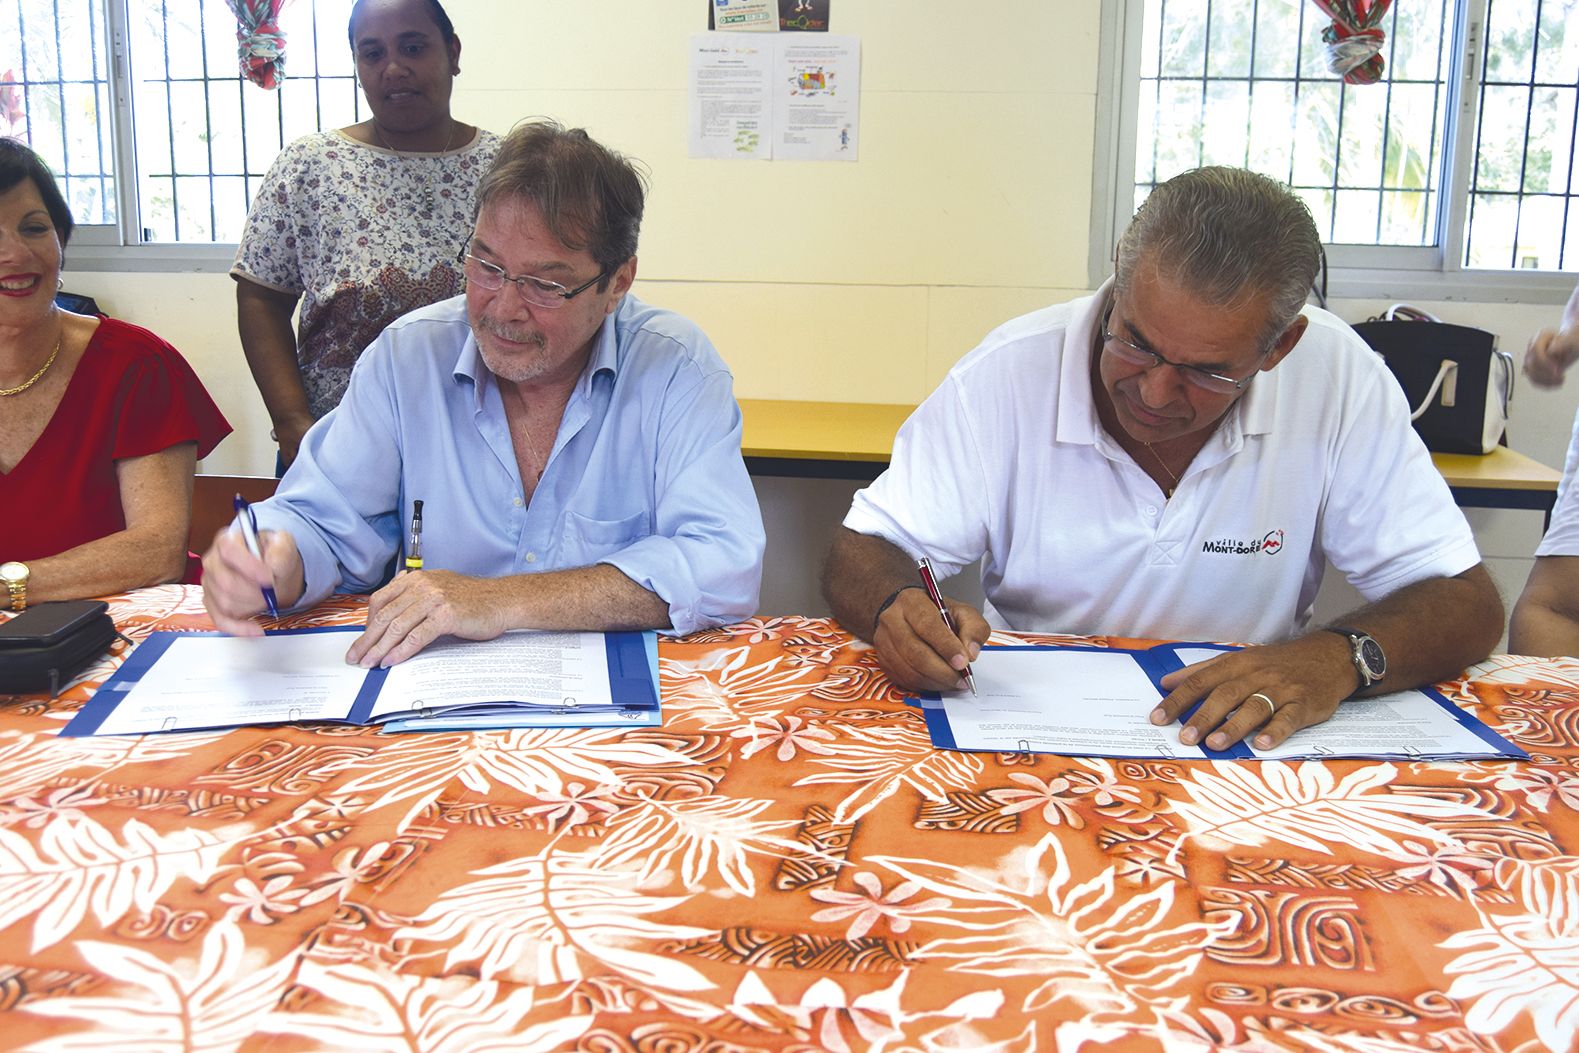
[[362, 224]]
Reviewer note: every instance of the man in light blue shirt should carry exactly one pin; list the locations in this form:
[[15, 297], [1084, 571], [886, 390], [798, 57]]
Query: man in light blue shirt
[[577, 452]]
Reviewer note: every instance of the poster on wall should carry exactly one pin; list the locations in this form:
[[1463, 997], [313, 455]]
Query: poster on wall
[[774, 97], [730, 79], [748, 16], [817, 98], [790, 16], [805, 16]]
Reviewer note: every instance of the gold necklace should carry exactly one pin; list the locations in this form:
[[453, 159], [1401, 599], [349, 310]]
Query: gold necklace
[[36, 377], [402, 153], [1167, 491], [539, 459]]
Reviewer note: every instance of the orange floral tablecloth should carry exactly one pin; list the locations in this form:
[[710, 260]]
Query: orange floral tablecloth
[[785, 864]]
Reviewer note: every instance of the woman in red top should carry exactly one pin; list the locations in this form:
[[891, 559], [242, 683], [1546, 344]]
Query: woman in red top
[[101, 422]]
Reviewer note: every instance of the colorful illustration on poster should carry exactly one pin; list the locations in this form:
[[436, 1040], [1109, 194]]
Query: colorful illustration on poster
[[805, 16]]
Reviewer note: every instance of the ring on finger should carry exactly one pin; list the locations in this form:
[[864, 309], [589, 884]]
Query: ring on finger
[[1270, 705]]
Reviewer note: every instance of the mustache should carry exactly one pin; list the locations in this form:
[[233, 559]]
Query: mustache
[[508, 332]]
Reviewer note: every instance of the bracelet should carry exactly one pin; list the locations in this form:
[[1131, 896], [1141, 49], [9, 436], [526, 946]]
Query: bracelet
[[881, 607]]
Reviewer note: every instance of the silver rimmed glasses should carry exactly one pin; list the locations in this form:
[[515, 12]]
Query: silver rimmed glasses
[[1128, 351], [539, 292]]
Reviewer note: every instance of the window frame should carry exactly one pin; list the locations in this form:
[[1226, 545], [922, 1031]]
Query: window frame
[[1380, 272], [118, 246]]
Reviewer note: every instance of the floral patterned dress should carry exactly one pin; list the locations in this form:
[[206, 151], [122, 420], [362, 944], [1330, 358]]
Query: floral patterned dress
[[365, 235]]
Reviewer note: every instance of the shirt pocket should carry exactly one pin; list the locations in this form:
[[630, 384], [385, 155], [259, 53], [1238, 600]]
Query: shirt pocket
[[587, 540]]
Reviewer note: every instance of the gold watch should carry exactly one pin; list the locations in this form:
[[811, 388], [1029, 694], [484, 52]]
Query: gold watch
[[15, 575]]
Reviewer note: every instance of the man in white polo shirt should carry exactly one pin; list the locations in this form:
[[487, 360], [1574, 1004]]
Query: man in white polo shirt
[[1178, 457]]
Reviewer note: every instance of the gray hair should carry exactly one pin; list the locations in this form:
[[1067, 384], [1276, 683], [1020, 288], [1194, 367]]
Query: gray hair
[[590, 196], [1230, 236]]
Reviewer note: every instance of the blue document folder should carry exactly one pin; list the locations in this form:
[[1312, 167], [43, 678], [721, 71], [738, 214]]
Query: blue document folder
[[1051, 717], [354, 697]]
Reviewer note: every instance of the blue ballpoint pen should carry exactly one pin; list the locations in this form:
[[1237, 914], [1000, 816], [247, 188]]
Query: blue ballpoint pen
[[249, 534]]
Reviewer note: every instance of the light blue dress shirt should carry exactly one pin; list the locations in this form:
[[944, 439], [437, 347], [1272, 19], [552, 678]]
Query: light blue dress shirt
[[645, 473]]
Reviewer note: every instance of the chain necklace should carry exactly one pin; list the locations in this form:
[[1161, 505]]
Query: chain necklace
[[1167, 491], [432, 188], [539, 459], [36, 377]]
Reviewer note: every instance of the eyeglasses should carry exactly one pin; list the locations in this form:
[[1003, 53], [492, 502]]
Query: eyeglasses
[[539, 292], [1135, 355]]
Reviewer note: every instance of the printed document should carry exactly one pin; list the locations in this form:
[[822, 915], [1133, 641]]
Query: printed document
[[1097, 702], [1093, 703], [225, 680], [193, 681]]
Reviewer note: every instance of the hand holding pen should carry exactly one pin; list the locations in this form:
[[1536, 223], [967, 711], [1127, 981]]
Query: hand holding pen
[[249, 535], [930, 583]]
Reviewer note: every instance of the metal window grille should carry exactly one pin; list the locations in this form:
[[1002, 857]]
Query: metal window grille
[[202, 137], [1524, 191], [214, 134], [55, 96], [1223, 82]]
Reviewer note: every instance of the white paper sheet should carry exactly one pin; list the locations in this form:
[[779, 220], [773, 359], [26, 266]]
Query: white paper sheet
[[566, 670], [218, 681], [817, 98], [780, 96], [729, 82], [1402, 724], [1091, 703]]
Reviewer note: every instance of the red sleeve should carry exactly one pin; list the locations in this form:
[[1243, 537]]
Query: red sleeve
[[161, 403]]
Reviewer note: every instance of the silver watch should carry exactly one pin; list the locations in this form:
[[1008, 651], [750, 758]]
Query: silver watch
[[1370, 661]]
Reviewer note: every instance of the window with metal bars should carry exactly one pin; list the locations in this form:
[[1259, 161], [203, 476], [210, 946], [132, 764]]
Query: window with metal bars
[[141, 110], [1462, 157]]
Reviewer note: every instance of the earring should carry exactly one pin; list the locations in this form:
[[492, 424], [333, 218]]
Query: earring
[[59, 283]]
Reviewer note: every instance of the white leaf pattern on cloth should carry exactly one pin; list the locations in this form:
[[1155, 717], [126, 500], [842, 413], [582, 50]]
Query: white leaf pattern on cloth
[[79, 866], [1302, 805], [213, 1004], [374, 1009], [557, 917], [1526, 959]]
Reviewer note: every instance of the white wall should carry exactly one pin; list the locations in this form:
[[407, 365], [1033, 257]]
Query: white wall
[[859, 282]]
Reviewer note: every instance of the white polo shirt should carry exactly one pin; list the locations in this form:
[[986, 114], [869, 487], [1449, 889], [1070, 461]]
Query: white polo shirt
[[1315, 463], [1562, 537]]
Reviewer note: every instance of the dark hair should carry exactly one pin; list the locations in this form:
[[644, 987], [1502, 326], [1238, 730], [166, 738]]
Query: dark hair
[[589, 196], [1229, 235], [19, 162], [435, 10]]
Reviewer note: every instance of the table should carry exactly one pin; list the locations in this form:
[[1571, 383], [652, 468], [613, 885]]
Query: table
[[854, 440], [821, 440], [784, 864], [1503, 478]]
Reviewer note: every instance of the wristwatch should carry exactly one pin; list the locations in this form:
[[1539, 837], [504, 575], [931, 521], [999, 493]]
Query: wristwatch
[[14, 575], [1370, 661]]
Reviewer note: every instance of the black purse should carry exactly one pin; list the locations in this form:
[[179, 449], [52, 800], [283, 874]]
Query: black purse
[[42, 648], [1458, 384]]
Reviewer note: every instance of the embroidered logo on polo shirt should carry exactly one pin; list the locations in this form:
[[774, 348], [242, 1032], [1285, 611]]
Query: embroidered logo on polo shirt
[[1271, 544]]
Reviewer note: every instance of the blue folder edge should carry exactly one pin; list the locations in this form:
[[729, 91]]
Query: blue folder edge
[[1158, 661], [633, 679], [98, 708], [627, 715]]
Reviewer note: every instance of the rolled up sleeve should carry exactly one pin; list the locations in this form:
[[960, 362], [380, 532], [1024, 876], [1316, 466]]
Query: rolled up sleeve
[[338, 499], [704, 557]]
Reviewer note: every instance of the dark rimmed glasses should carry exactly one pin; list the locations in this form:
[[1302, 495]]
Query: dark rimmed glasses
[[1135, 355], [539, 292]]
